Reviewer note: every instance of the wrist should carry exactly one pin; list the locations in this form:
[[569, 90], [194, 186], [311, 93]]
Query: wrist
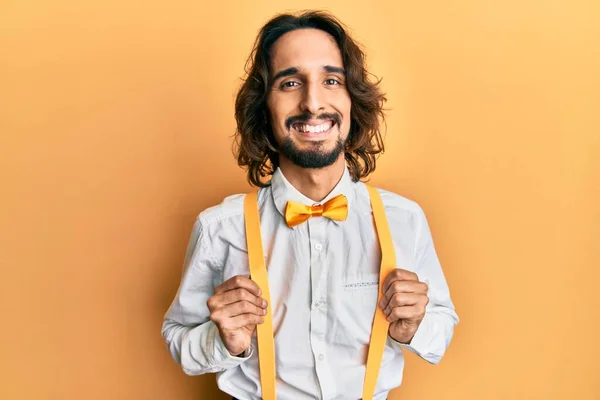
[[242, 354], [404, 338]]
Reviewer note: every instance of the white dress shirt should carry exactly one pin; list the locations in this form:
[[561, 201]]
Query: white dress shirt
[[323, 280]]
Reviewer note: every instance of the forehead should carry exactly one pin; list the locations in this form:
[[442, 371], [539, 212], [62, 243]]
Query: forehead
[[307, 49]]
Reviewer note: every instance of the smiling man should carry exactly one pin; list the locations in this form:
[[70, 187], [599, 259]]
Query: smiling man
[[308, 130]]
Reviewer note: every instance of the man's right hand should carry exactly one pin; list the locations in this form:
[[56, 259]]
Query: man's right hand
[[236, 308]]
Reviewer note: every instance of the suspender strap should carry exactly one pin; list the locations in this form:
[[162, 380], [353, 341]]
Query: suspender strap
[[258, 272], [380, 323]]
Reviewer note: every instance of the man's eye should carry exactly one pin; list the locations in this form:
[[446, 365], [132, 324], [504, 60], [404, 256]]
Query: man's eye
[[289, 84], [332, 81]]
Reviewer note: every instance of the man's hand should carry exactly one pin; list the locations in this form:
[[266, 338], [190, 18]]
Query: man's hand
[[403, 302], [236, 308]]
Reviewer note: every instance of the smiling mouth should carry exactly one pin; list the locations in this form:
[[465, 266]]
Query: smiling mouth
[[312, 130]]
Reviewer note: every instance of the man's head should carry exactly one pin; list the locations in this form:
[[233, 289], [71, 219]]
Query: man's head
[[307, 98]]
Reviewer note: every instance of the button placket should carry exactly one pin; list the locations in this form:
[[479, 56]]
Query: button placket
[[318, 314]]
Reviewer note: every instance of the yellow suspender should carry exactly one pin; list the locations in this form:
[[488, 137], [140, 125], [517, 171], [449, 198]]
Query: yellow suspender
[[258, 273]]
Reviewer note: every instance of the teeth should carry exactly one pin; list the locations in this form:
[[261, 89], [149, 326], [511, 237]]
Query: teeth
[[314, 129]]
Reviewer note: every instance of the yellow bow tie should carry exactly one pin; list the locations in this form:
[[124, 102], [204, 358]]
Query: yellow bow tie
[[297, 213]]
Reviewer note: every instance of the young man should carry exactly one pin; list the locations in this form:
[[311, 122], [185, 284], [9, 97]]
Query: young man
[[308, 129]]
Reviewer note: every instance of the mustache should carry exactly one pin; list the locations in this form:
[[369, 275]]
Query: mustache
[[305, 117]]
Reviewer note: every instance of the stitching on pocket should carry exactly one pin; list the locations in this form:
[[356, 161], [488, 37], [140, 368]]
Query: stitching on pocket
[[361, 281], [360, 284]]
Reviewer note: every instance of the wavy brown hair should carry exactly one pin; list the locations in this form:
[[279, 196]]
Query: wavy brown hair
[[255, 147]]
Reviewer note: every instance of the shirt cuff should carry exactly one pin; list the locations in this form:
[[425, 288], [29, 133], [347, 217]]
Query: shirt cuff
[[221, 355], [418, 343]]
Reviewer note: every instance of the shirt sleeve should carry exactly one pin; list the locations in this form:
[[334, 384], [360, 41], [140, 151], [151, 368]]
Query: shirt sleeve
[[434, 334], [191, 338]]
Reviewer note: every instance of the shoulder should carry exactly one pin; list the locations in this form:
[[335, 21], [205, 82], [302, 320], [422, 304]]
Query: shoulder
[[394, 203], [230, 209], [402, 212]]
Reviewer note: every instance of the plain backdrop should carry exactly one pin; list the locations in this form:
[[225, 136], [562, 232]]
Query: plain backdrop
[[116, 120]]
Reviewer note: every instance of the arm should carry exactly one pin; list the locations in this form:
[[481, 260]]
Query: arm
[[191, 337], [435, 331]]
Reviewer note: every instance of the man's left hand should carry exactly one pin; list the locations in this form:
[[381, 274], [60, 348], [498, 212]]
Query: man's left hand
[[403, 303]]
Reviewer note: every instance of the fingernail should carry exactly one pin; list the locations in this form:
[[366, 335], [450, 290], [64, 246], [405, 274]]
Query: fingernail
[[264, 303], [259, 292], [264, 311]]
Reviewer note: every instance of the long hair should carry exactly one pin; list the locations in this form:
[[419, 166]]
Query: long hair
[[255, 147]]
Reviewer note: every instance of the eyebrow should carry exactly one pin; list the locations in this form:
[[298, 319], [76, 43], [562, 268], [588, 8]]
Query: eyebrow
[[293, 70]]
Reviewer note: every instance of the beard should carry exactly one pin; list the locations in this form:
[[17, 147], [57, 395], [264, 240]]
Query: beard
[[314, 157]]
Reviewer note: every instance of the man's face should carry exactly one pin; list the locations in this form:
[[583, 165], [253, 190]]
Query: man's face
[[308, 103]]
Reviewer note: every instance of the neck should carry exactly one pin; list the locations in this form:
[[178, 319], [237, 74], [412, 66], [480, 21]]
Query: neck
[[314, 183]]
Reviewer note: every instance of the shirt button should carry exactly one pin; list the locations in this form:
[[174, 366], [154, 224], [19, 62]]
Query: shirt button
[[319, 246], [321, 357], [318, 304]]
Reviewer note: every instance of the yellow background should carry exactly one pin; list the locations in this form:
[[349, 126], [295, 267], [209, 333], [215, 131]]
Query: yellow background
[[116, 120]]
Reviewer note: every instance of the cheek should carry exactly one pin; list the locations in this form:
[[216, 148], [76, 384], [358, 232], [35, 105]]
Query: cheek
[[346, 110], [344, 105], [280, 107]]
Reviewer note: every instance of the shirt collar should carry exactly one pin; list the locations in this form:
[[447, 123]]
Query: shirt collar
[[283, 191]]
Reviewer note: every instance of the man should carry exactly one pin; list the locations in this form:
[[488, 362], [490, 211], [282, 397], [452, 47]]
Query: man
[[308, 119]]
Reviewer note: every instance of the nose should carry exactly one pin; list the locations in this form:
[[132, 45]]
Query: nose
[[313, 98]]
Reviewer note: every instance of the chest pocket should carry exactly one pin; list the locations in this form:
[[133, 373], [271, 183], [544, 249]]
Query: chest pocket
[[361, 282]]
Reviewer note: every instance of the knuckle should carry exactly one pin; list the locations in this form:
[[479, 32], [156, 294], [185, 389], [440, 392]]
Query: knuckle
[[238, 280], [215, 319], [405, 274], [210, 303]]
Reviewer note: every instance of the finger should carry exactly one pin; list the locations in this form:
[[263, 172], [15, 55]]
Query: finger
[[241, 294], [241, 307], [219, 301], [399, 274], [239, 281], [402, 299], [239, 321], [403, 287], [411, 313]]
